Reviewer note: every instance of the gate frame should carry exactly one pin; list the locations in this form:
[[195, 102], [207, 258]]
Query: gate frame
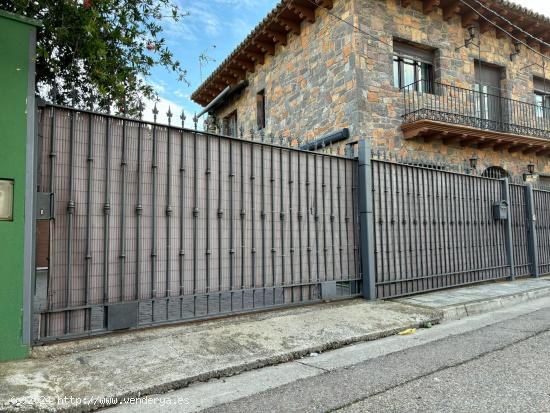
[[366, 220]]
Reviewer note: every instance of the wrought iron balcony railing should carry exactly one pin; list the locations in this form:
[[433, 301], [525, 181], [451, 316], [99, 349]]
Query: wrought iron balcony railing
[[439, 102]]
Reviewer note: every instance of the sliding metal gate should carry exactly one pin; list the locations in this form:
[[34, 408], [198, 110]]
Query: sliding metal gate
[[428, 226], [434, 229], [153, 224], [541, 198]]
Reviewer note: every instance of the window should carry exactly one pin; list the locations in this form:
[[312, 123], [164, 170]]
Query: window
[[231, 124], [488, 83], [542, 97], [412, 67], [260, 109], [542, 100]]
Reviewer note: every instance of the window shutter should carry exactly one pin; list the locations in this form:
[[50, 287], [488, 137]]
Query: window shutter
[[407, 50], [541, 85], [260, 110]]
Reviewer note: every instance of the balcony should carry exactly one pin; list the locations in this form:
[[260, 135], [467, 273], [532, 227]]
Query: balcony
[[454, 115]]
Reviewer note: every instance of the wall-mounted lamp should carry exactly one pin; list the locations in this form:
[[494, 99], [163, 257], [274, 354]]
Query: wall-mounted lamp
[[473, 162], [472, 33], [531, 168], [470, 39], [517, 49]]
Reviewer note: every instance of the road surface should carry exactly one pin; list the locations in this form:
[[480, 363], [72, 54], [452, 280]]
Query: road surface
[[495, 362]]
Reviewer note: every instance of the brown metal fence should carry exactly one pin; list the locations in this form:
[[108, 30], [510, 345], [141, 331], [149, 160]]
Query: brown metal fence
[[154, 224], [541, 198], [434, 229], [520, 230]]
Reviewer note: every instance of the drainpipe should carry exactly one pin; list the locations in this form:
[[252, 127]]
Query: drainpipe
[[326, 140]]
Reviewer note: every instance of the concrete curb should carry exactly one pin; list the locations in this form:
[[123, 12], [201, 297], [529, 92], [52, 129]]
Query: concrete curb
[[472, 308]]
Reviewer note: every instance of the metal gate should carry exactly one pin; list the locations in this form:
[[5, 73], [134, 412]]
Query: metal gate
[[520, 230], [541, 198], [434, 229], [144, 224], [428, 226]]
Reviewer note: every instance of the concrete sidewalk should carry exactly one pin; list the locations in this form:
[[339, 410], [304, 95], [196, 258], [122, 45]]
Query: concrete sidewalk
[[462, 302], [102, 371]]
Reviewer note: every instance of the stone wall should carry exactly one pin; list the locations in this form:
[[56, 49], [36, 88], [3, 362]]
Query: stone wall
[[332, 76], [309, 84]]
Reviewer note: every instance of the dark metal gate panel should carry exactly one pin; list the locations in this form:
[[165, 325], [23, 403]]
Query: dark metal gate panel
[[434, 229], [518, 215], [154, 224], [542, 214]]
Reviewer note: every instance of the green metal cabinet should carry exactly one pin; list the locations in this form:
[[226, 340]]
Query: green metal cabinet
[[17, 85]]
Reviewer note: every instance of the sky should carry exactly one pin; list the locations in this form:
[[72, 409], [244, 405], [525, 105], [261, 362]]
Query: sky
[[215, 28]]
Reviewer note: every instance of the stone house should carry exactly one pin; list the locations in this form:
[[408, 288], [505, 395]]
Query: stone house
[[435, 77]]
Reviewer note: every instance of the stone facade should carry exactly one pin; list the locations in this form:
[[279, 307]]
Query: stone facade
[[309, 83], [332, 76]]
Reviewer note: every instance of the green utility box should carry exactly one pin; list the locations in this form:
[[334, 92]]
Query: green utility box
[[17, 145]]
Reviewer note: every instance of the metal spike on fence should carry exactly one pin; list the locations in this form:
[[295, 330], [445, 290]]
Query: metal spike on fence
[[169, 116], [251, 133], [281, 140], [272, 138], [141, 106], [155, 113], [195, 120], [347, 151], [123, 108], [55, 92], [182, 117], [262, 135], [73, 96]]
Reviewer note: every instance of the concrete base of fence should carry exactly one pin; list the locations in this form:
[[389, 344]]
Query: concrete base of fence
[[463, 302], [101, 371]]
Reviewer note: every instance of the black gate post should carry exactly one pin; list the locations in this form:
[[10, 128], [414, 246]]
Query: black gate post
[[366, 221], [532, 241], [508, 229]]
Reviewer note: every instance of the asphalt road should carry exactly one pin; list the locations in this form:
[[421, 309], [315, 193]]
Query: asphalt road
[[497, 362]]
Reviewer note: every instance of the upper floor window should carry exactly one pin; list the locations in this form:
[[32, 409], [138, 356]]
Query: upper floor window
[[542, 96], [412, 67], [260, 109], [231, 124]]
